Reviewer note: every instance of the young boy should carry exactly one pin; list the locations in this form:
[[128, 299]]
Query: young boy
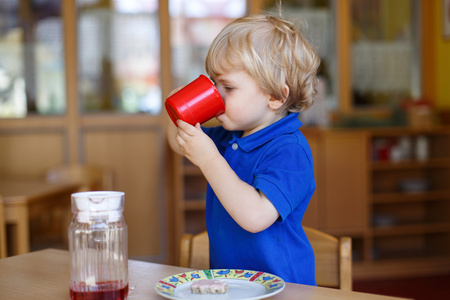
[[257, 163]]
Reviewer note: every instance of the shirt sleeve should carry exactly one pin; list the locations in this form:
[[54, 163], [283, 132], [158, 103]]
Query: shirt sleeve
[[286, 176]]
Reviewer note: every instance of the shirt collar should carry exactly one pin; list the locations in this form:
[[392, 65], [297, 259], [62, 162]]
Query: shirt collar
[[288, 124]]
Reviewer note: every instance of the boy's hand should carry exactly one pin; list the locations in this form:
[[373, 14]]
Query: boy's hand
[[195, 144]]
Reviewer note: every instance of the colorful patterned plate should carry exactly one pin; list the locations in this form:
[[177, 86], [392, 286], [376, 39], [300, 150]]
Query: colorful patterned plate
[[242, 284]]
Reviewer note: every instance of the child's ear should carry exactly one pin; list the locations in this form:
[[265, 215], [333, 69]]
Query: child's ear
[[277, 103]]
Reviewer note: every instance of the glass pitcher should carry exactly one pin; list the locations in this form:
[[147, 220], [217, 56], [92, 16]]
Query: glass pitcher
[[98, 245]]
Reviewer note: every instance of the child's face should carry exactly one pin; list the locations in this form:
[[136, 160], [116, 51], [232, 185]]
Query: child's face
[[246, 105]]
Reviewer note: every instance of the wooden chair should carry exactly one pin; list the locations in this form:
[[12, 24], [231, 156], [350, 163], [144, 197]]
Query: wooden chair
[[333, 256], [333, 259], [3, 251], [91, 178], [194, 251]]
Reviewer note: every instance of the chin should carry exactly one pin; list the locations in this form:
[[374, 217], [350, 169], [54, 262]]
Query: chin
[[224, 122], [225, 126], [221, 121]]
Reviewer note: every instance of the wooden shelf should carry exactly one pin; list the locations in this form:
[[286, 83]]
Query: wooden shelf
[[408, 131], [401, 267], [411, 164], [404, 197], [190, 198], [417, 226], [199, 204], [191, 170], [411, 229]]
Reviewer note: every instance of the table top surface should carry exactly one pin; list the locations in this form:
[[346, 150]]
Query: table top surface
[[45, 275], [16, 190]]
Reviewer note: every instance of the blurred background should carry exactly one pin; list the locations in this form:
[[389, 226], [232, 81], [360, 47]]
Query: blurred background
[[84, 81]]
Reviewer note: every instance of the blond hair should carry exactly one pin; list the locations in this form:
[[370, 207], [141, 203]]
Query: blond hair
[[273, 52]]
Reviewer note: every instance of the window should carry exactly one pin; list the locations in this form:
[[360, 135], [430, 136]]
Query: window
[[384, 52], [194, 25], [316, 20], [119, 59], [31, 58]]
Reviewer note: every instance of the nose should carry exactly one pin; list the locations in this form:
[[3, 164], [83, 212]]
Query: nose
[[221, 94]]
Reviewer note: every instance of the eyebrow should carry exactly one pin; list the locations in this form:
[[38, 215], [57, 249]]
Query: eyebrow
[[223, 80]]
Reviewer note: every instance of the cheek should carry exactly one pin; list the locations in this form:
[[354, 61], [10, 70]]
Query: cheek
[[234, 115], [233, 112], [229, 105]]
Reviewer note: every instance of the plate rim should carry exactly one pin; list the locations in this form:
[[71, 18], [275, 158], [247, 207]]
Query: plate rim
[[258, 274]]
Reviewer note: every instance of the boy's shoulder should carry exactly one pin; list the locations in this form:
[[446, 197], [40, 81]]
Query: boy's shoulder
[[288, 145], [293, 137]]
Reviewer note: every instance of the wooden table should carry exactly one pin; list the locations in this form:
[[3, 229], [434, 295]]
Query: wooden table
[[26, 198], [45, 275]]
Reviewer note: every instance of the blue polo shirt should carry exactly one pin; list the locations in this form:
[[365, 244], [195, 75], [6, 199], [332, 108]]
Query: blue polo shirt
[[277, 161]]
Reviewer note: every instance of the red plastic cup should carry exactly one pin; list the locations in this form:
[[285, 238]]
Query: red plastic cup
[[197, 102]]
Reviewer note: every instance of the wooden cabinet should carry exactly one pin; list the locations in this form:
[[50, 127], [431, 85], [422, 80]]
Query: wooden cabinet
[[311, 217], [344, 182], [189, 203], [409, 202], [340, 166], [388, 189]]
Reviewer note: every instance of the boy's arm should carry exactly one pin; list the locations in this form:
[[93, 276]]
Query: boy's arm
[[247, 206], [171, 134], [171, 129]]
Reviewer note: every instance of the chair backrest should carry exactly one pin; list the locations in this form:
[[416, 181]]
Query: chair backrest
[[194, 251], [3, 251], [333, 256], [333, 259], [91, 178]]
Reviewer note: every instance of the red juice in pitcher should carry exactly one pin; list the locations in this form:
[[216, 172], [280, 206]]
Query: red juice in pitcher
[[102, 291]]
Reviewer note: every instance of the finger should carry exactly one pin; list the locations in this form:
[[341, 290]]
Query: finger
[[175, 90], [184, 137], [182, 124], [183, 134], [181, 143], [186, 127]]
